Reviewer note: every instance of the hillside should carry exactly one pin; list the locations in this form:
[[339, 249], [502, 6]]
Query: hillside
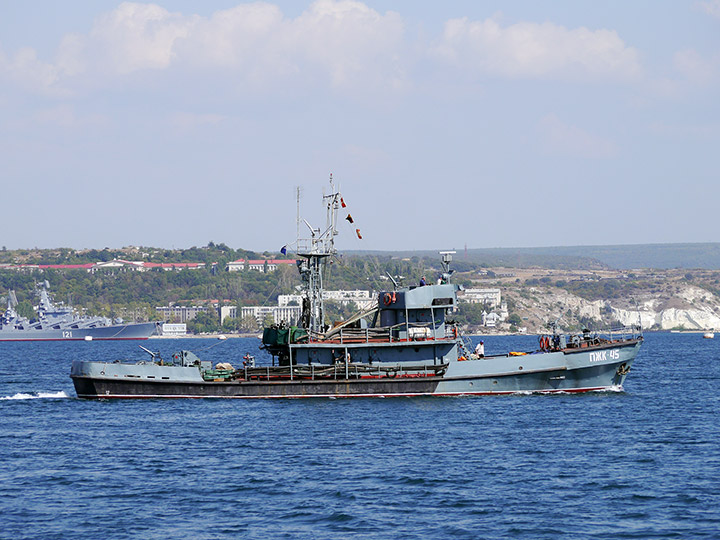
[[622, 257], [658, 300], [577, 288]]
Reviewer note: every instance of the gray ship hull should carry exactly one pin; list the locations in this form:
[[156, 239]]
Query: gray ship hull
[[112, 332], [572, 370]]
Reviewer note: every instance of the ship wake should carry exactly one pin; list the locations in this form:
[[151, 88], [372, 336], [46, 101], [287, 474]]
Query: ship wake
[[36, 395]]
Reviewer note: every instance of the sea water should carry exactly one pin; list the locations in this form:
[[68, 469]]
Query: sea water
[[643, 462]]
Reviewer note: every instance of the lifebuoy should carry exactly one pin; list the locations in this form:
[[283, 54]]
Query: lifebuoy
[[387, 299]]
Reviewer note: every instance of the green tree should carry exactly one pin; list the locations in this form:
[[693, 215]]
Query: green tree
[[248, 324], [470, 314], [230, 324], [204, 322], [514, 319]]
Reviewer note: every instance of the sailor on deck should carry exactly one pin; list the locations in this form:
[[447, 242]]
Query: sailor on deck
[[480, 350]]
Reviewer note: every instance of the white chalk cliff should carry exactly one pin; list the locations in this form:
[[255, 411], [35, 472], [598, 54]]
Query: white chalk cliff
[[688, 307]]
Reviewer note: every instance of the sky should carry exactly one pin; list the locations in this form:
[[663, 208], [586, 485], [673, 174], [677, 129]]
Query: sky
[[445, 124]]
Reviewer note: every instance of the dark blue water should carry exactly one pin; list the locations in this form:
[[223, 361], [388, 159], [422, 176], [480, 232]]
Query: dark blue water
[[643, 463]]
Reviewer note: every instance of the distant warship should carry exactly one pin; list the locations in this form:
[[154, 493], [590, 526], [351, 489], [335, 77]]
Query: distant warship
[[405, 345], [55, 322]]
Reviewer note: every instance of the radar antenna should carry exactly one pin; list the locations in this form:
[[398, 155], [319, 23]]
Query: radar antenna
[[446, 259], [315, 252]]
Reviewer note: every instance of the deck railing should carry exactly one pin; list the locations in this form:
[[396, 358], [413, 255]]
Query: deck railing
[[337, 371], [623, 333], [426, 331]]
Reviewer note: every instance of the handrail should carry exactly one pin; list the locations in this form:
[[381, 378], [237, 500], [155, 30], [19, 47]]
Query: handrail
[[341, 371], [365, 335]]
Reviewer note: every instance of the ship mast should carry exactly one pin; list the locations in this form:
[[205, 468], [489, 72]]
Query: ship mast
[[314, 252]]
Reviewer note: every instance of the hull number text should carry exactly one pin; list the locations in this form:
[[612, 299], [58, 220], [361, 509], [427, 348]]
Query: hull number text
[[604, 356]]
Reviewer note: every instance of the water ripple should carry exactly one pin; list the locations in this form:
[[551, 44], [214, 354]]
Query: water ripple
[[641, 463]]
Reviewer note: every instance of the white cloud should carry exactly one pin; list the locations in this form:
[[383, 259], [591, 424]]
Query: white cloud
[[138, 36], [690, 72], [344, 41], [343, 44], [694, 68], [711, 7], [559, 138], [340, 42], [532, 50], [26, 70], [352, 41]]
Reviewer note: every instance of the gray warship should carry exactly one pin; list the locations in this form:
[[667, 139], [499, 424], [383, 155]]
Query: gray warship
[[405, 345], [56, 322]]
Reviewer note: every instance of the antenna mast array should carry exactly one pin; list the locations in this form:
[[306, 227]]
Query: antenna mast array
[[315, 252]]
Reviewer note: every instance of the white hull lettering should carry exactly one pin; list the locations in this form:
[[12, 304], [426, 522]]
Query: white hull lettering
[[602, 356]]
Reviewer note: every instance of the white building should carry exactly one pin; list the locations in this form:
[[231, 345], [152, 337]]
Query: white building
[[491, 319], [174, 329], [362, 299], [227, 311], [481, 296], [504, 314], [284, 300], [260, 265], [287, 314], [179, 313], [236, 266]]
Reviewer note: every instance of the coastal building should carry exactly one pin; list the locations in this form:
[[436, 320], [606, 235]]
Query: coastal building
[[114, 265], [259, 265], [227, 311], [285, 300], [491, 297], [174, 329], [179, 314], [362, 299], [236, 266], [490, 320], [504, 313], [171, 266], [288, 314]]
